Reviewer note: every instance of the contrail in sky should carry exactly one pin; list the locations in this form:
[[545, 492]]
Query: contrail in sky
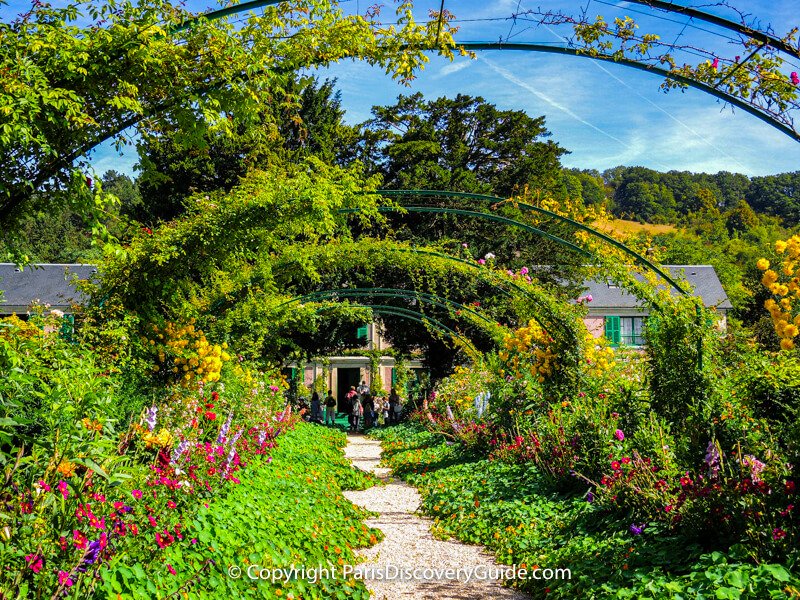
[[526, 86]]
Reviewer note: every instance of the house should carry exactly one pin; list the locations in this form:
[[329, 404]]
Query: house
[[49, 285], [620, 316], [339, 373]]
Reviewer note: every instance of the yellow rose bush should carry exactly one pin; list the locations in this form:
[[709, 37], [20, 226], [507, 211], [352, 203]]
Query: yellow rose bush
[[783, 282]]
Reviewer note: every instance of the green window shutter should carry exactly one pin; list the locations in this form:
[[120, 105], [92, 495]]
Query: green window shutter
[[362, 332], [394, 376], [612, 329], [67, 327]]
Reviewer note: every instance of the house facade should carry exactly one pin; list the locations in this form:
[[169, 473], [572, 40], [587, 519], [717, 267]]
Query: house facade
[[339, 373], [619, 315]]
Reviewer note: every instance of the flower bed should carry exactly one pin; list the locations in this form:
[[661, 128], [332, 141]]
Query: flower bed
[[511, 509]]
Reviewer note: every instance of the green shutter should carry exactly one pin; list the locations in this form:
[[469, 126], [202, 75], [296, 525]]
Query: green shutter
[[362, 332], [67, 327], [612, 329]]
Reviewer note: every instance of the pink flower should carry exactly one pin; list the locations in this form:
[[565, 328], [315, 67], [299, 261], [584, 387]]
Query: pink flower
[[619, 435], [481, 261], [795, 78], [465, 245], [137, 494], [62, 487], [79, 540], [64, 579], [44, 486], [171, 504], [34, 561], [715, 64], [171, 570], [778, 534], [589, 298], [523, 271], [153, 522]]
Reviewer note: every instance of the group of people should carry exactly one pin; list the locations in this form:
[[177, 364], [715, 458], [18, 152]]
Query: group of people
[[362, 408]]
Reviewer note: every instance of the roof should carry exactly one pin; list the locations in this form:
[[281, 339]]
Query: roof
[[702, 278], [43, 283]]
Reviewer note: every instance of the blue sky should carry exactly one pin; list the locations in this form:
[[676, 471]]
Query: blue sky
[[605, 114]]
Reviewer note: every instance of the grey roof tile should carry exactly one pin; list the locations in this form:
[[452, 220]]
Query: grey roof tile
[[45, 283]]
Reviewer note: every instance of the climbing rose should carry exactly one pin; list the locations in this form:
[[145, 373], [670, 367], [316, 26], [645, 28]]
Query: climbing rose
[[795, 78]]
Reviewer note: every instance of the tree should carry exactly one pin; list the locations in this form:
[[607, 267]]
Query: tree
[[777, 195], [75, 76], [304, 120], [460, 144]]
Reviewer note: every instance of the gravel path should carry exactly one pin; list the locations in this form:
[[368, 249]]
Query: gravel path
[[409, 545]]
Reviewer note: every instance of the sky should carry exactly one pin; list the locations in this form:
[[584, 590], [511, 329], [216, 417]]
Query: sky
[[603, 113]]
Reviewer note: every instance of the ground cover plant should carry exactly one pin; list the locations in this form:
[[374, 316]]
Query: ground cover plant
[[512, 509]]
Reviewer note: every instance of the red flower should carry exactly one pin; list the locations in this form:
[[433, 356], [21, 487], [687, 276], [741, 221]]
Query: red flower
[[34, 561], [778, 534], [211, 416], [79, 539], [170, 569], [789, 487], [615, 465]]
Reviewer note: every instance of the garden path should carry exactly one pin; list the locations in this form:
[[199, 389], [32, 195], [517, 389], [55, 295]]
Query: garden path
[[408, 543]]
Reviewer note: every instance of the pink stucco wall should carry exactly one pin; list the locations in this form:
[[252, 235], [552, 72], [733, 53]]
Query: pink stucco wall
[[595, 325]]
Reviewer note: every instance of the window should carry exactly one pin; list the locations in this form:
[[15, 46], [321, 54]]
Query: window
[[631, 331], [624, 330]]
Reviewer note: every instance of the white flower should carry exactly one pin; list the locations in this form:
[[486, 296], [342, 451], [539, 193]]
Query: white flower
[[489, 256]]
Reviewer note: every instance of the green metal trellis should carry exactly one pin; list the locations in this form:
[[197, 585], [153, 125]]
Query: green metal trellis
[[532, 208], [419, 318]]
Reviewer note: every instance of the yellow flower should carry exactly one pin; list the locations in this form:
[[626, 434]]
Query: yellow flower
[[791, 331], [66, 468], [763, 264], [769, 278], [787, 344], [780, 246]]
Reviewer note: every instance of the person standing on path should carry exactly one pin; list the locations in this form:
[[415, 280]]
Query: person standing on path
[[356, 412], [316, 408], [368, 404], [330, 409], [362, 389], [349, 399], [394, 400]]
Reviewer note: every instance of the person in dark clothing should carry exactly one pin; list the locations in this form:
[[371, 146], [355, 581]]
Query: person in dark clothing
[[394, 400], [349, 399], [368, 405]]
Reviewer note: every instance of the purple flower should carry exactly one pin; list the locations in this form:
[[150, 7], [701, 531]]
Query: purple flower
[[150, 417], [619, 435], [589, 497], [225, 428], [712, 459], [636, 529], [182, 447], [262, 435]]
